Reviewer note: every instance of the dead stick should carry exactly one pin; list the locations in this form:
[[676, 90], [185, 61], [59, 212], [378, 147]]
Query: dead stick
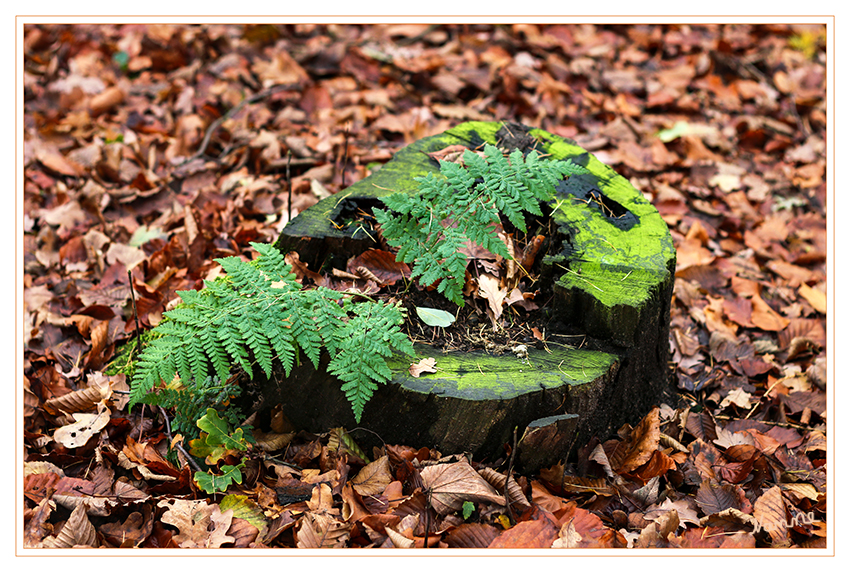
[[135, 315], [178, 446], [232, 111], [508, 480], [288, 187]]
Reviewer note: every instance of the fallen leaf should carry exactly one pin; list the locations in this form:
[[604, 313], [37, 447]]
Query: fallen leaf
[[765, 318], [78, 531], [451, 484], [814, 297], [84, 427], [642, 442], [769, 509], [488, 288], [425, 365], [373, 478], [201, 525]]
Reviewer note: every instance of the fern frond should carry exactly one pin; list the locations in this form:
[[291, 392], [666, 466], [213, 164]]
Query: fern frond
[[363, 343], [471, 198]]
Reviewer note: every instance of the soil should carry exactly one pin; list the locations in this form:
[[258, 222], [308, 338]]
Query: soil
[[473, 329]]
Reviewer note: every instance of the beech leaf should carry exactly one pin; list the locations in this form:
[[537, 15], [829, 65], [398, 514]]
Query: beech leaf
[[452, 484], [434, 317]]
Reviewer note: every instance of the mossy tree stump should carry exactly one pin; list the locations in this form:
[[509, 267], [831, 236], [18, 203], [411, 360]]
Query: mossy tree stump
[[612, 275]]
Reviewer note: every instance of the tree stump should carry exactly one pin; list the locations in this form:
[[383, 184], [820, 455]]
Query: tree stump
[[611, 271]]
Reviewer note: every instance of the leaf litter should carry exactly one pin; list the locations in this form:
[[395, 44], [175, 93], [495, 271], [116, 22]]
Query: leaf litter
[[144, 164]]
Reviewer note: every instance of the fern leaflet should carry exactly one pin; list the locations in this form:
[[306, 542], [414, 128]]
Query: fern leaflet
[[464, 204]]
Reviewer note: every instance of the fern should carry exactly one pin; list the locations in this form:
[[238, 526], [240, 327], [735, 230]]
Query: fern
[[191, 401], [362, 346], [464, 204], [255, 314]]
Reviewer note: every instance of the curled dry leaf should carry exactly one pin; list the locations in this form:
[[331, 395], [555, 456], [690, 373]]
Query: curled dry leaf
[[272, 441], [77, 401], [425, 365], [451, 484], [497, 480], [78, 531]]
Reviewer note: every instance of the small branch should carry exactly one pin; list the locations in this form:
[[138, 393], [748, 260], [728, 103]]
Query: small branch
[[135, 315], [288, 187], [178, 446], [508, 481], [230, 113]]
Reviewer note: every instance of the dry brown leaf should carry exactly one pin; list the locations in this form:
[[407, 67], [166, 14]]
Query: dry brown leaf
[[814, 297], [497, 480], [765, 318], [78, 531], [425, 365], [373, 478], [471, 535], [692, 253], [38, 526], [642, 442], [488, 288], [383, 266], [529, 534], [132, 532], [201, 525], [84, 427], [76, 401], [243, 532], [399, 540], [272, 441], [352, 506], [321, 499], [714, 498], [770, 511], [322, 531], [451, 484]]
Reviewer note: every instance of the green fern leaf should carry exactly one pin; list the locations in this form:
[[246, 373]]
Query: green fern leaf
[[465, 202]]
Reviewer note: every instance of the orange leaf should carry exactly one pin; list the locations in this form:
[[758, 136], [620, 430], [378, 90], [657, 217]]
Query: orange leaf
[[765, 318], [529, 534], [643, 441], [814, 297]]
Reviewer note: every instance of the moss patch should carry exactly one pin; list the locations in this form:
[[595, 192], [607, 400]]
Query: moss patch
[[478, 375]]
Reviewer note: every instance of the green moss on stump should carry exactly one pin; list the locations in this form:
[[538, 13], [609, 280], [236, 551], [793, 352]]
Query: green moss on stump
[[612, 274]]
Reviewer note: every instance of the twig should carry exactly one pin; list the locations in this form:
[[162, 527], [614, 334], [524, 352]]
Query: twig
[[288, 187], [345, 154], [508, 480], [178, 446], [135, 315], [232, 111]]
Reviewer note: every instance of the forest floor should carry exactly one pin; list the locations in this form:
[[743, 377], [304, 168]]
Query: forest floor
[[151, 150]]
